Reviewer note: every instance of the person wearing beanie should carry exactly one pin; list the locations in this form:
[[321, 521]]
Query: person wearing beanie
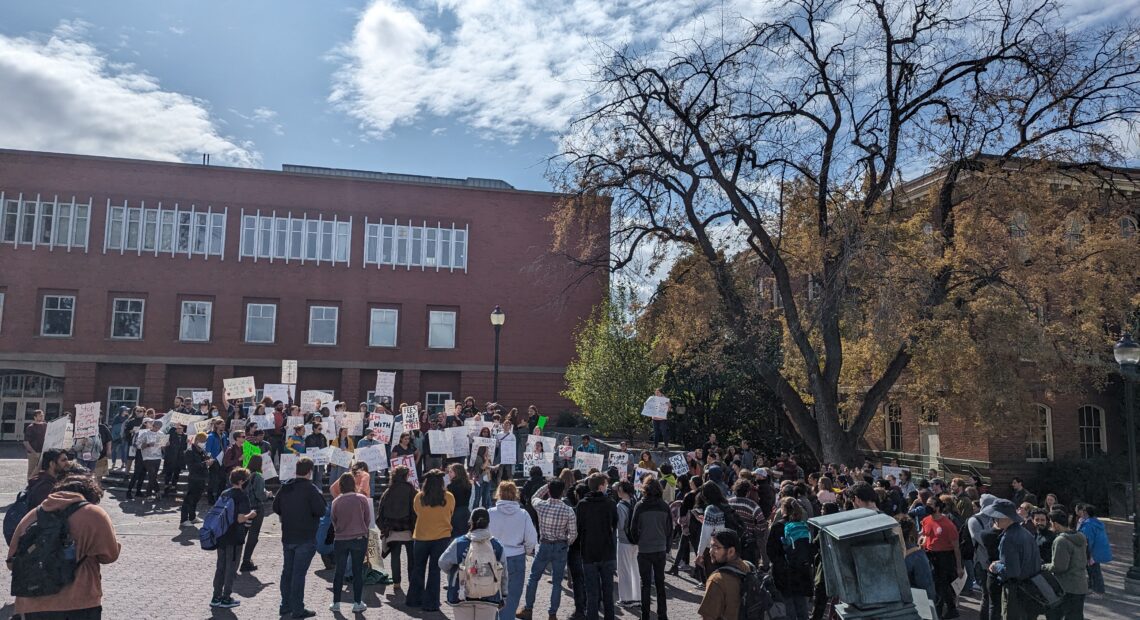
[[198, 464]]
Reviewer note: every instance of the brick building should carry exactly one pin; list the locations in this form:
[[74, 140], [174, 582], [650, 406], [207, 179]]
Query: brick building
[[125, 281]]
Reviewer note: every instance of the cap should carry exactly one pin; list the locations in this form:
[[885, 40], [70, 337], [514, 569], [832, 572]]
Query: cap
[[760, 473], [1002, 509]]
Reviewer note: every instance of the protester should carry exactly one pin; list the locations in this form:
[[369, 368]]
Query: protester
[[90, 528], [433, 507], [629, 581], [146, 442], [752, 519], [918, 570], [513, 528], [1044, 534], [721, 600], [351, 512], [1017, 559], [1069, 560], [789, 553], [1100, 552], [597, 527], [230, 544], [198, 474], [174, 459], [651, 529], [477, 576], [396, 518], [460, 488], [300, 506], [258, 497], [557, 530], [34, 433], [940, 541], [53, 464]]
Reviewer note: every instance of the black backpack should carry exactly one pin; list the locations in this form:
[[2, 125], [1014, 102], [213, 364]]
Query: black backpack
[[45, 560], [755, 600], [732, 521], [15, 514]]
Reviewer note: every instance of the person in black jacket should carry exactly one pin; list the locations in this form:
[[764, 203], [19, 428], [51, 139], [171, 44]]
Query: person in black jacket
[[597, 534], [300, 506], [174, 459], [198, 463], [533, 484], [317, 440], [651, 529]]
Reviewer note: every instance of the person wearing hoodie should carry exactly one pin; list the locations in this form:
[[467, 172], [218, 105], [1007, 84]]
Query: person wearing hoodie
[[651, 529], [451, 561], [513, 528], [300, 507], [1069, 559], [1099, 550], [95, 542], [597, 525]]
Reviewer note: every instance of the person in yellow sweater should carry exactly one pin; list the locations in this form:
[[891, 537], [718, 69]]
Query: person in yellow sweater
[[434, 506]]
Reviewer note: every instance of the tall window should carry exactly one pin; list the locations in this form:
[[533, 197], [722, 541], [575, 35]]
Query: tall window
[[260, 322], [382, 331], [322, 324], [1039, 441], [127, 319], [1019, 225], [50, 223], [415, 245], [441, 329], [894, 427], [165, 230], [59, 315], [1074, 232], [1128, 227], [120, 397], [195, 323], [287, 237], [1091, 431]]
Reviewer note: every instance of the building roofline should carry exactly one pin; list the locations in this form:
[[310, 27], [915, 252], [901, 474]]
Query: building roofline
[[1119, 173]]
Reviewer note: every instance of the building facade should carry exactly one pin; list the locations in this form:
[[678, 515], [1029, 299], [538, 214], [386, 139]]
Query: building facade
[[126, 282]]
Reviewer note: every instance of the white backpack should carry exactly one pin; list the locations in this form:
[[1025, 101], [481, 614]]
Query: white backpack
[[480, 574]]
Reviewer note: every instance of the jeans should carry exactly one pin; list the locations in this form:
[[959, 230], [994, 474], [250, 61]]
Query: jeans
[[516, 577], [651, 567], [945, 572], [394, 554], [225, 570], [578, 580], [599, 586], [119, 451], [341, 550], [797, 607], [190, 502], [553, 555], [1096, 578], [483, 495], [1072, 607], [660, 432], [298, 557], [251, 536], [425, 568]]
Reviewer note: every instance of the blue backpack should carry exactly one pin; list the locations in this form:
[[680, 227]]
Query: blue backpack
[[217, 522], [797, 544]]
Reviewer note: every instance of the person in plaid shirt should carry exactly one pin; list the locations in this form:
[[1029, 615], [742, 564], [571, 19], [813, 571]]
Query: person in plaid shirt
[[752, 518], [557, 529]]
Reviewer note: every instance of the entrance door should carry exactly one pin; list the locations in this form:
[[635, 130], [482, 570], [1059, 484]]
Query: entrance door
[[8, 422], [931, 448]]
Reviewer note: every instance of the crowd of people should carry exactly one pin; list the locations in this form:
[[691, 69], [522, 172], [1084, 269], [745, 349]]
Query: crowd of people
[[460, 524]]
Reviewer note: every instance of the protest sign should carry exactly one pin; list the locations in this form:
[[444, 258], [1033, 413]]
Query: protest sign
[[200, 426], [263, 422], [238, 424], [448, 406], [284, 392], [268, 471], [397, 430], [310, 398], [566, 452], [320, 456], [538, 460], [540, 445], [385, 384], [440, 444], [328, 427], [293, 421], [59, 434], [382, 422], [374, 456], [239, 388], [411, 417], [482, 442], [620, 460], [288, 466], [308, 430], [354, 420], [340, 458], [87, 419], [408, 461], [585, 461], [679, 464], [542, 422], [185, 419], [639, 474], [889, 470], [289, 371], [655, 407], [458, 440], [248, 451], [202, 397]]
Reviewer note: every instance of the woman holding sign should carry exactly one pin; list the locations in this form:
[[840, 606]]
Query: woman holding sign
[[342, 442]]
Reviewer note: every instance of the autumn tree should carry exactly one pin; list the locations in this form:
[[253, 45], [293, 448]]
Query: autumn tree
[[787, 140]]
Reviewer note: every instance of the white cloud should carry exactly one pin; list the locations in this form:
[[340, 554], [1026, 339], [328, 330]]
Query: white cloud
[[62, 94], [503, 67]]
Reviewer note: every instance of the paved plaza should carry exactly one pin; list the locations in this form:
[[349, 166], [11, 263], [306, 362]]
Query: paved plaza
[[162, 573]]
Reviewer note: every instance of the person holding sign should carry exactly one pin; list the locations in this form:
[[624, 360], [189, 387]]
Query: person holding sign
[[661, 407], [34, 434], [481, 474], [198, 464], [317, 441], [343, 442]]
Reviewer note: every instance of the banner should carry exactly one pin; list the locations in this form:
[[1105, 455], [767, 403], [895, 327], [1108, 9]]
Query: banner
[[310, 398], [87, 420], [585, 461], [385, 384], [289, 371], [408, 461], [202, 397], [482, 442], [239, 388], [288, 466], [382, 422], [340, 458], [540, 461], [411, 418], [374, 456], [655, 407], [284, 392]]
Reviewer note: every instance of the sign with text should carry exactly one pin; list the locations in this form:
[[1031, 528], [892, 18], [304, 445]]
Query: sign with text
[[289, 371], [374, 456], [87, 419], [679, 464], [382, 422], [440, 444], [655, 407], [202, 397], [284, 392], [268, 471], [288, 466], [585, 461], [354, 421], [538, 460], [620, 460], [239, 388], [340, 458], [408, 461], [263, 422], [385, 384], [482, 442], [534, 441], [185, 419], [310, 399], [889, 470], [566, 452], [411, 417], [320, 456], [458, 440], [448, 406]]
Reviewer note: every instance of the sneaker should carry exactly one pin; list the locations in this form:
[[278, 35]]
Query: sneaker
[[229, 602], [359, 608], [248, 568], [305, 613], [216, 602], [523, 614], [335, 608], [196, 520], [187, 524]]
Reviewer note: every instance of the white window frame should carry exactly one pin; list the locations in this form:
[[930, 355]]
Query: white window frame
[[160, 231], [249, 307], [1034, 443], [890, 410], [43, 316], [372, 328], [435, 401], [141, 312], [324, 317], [209, 305], [273, 237], [432, 314], [55, 223], [113, 409], [1083, 429], [416, 244]]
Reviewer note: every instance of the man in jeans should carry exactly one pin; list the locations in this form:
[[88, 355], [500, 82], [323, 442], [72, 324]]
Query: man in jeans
[[557, 530], [597, 529], [300, 506]]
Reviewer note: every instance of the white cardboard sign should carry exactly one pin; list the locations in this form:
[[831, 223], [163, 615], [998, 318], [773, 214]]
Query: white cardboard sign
[[585, 461], [655, 407], [239, 388], [374, 456], [87, 419], [385, 384], [289, 371]]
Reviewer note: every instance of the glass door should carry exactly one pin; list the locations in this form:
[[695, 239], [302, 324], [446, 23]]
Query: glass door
[[8, 409]]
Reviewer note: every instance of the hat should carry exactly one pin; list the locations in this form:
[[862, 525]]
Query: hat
[[986, 499], [760, 473], [1002, 509]]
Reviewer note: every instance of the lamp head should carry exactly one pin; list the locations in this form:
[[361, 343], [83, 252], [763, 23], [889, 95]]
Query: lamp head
[[498, 317]]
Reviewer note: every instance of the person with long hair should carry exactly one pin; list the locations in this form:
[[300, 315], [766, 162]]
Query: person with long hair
[[397, 519], [258, 498], [434, 506], [714, 505], [689, 529], [460, 487], [795, 582], [464, 606], [481, 474], [344, 442], [513, 528], [351, 512]]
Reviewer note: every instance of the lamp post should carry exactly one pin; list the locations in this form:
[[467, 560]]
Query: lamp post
[[498, 317], [1127, 354]]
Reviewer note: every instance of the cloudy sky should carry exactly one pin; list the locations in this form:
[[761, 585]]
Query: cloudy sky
[[438, 87]]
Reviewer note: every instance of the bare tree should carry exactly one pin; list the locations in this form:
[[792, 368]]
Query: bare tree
[[794, 135]]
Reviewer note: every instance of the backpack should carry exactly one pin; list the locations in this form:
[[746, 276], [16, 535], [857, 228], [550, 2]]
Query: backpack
[[629, 522], [733, 522], [797, 544], [755, 600], [217, 522], [45, 561], [480, 573], [14, 515]]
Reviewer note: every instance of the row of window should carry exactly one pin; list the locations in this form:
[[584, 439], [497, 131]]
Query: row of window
[[196, 319], [1075, 227], [165, 231], [124, 396], [414, 245], [52, 223], [292, 238]]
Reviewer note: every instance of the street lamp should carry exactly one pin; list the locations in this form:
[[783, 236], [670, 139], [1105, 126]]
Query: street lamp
[[498, 317], [1127, 354]]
